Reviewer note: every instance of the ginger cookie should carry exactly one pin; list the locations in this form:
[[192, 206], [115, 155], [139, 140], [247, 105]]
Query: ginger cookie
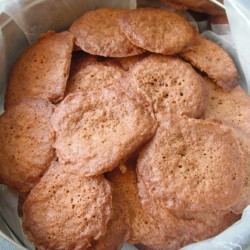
[[67, 211], [42, 70], [98, 130], [232, 106], [157, 30], [170, 84], [211, 59], [192, 165], [26, 137], [98, 33], [94, 76]]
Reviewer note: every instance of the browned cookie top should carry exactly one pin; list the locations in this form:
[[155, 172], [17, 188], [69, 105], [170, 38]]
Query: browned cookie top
[[200, 6], [26, 139], [67, 211], [98, 129], [244, 141], [231, 105], [118, 229], [94, 76], [97, 32], [42, 70], [185, 227], [157, 30], [143, 228], [170, 84], [210, 58], [192, 164]]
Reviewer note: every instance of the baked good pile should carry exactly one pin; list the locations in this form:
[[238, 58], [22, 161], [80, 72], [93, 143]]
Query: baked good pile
[[128, 127]]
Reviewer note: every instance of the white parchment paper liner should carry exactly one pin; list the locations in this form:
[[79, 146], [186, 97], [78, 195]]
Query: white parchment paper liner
[[21, 21]]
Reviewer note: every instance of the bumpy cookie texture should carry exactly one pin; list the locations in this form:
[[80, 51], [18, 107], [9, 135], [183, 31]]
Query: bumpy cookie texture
[[42, 70], [192, 164], [170, 84], [67, 211], [143, 228], [157, 30], [26, 138], [232, 106], [94, 76], [244, 141], [97, 32], [118, 226], [99, 129], [185, 227], [210, 58]]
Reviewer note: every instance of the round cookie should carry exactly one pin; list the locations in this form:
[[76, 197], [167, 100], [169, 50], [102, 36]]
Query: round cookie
[[26, 138], [232, 106], [98, 130], [192, 165], [97, 32], [244, 141], [186, 227], [170, 84], [210, 58], [143, 228], [67, 211], [157, 30], [94, 76], [42, 70]]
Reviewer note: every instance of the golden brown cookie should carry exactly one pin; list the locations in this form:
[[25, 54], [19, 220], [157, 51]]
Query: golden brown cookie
[[143, 228], [170, 84], [157, 30], [186, 227], [98, 33], [210, 58], [98, 130], [42, 70], [67, 211], [26, 138], [199, 6], [232, 106], [128, 62], [94, 76], [118, 228], [192, 165], [244, 141]]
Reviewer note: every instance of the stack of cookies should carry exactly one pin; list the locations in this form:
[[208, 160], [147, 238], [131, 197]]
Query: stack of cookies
[[129, 127]]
